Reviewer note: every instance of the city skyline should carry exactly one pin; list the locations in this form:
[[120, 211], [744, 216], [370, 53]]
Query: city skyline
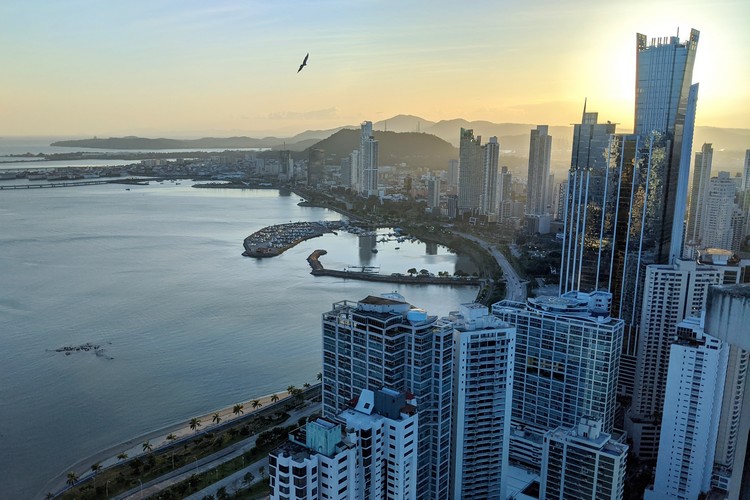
[[178, 69]]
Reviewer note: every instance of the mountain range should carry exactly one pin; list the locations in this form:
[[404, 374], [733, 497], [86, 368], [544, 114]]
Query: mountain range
[[729, 143]]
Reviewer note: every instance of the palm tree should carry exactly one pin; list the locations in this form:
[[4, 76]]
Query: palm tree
[[320, 376], [216, 418], [72, 478], [95, 468], [195, 423], [238, 409], [173, 438], [147, 446], [274, 398], [306, 385], [256, 404], [291, 390], [122, 456]]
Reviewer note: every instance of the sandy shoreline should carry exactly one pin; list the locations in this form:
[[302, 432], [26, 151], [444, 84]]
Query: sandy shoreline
[[157, 439]]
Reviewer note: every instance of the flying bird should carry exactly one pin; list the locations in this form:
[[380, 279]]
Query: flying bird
[[304, 63]]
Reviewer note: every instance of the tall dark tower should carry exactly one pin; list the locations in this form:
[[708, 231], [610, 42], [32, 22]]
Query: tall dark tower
[[626, 201]]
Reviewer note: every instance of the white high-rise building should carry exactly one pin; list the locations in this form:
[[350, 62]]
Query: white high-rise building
[[489, 198], [372, 458], [701, 178], [723, 220], [316, 462], [540, 149], [433, 192], [385, 428], [671, 294], [746, 193], [484, 351], [566, 366], [695, 383], [385, 342], [470, 172], [368, 161], [727, 317], [582, 462], [355, 170]]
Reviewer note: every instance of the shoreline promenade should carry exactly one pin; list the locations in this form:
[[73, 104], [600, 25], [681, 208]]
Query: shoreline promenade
[[157, 438]]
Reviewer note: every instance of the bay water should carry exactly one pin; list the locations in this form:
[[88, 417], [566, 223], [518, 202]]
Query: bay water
[[154, 275]]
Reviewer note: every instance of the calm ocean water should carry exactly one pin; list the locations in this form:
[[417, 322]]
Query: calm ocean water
[[155, 275]]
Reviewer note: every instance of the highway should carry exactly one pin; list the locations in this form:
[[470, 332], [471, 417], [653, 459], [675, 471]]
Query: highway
[[515, 288]]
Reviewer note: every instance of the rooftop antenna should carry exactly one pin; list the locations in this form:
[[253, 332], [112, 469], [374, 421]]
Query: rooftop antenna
[[386, 125], [419, 126], [678, 32], [585, 101]]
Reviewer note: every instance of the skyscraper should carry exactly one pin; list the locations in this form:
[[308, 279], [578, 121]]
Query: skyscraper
[[483, 360], [504, 198], [723, 219], [470, 172], [644, 194], [583, 462], [540, 149], [372, 458], [727, 317], [695, 383], [488, 202], [384, 342], [745, 195], [433, 193], [368, 161], [566, 366], [588, 202], [701, 177], [665, 101], [452, 174], [672, 293]]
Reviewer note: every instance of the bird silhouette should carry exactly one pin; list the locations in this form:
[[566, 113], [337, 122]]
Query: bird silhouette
[[304, 63]]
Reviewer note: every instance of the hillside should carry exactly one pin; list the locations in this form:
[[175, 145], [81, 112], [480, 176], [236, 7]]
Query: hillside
[[415, 149]]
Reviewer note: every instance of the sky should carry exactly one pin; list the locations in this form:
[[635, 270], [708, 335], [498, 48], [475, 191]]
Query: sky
[[185, 68]]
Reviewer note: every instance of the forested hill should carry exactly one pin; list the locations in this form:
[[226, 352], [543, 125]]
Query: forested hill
[[413, 148]]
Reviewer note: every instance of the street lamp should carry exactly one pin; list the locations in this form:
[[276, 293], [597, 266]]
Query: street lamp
[[106, 489], [141, 483]]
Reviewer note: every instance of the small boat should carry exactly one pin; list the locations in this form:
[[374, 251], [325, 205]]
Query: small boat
[[374, 250], [127, 189], [398, 248]]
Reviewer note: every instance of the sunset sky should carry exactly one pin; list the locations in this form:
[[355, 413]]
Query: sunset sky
[[193, 68]]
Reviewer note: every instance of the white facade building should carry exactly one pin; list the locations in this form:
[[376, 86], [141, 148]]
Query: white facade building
[[368, 161], [671, 294], [373, 458], [583, 463], [385, 342], [566, 366], [723, 220], [484, 350], [690, 421]]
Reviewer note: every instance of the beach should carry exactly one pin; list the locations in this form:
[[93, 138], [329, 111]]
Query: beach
[[157, 439]]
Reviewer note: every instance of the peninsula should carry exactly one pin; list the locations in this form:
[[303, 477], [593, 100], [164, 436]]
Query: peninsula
[[275, 240]]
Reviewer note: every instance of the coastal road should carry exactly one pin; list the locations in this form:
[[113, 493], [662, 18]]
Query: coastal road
[[515, 288], [210, 462]]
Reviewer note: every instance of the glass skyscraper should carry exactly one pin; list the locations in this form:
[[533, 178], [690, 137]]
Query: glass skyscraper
[[632, 214]]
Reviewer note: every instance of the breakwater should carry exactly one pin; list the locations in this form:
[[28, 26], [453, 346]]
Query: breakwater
[[420, 279]]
